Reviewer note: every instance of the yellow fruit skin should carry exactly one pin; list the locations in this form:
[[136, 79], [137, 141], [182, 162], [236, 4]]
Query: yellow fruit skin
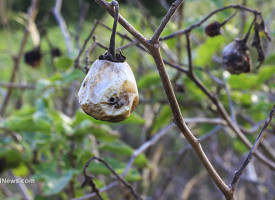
[[109, 91]]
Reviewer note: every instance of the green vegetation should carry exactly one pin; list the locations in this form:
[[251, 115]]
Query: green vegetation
[[45, 136]]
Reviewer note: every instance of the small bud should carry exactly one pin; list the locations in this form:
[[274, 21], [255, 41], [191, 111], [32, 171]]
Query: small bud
[[236, 58], [213, 29]]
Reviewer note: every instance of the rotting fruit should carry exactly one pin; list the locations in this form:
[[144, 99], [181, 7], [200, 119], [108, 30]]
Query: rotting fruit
[[109, 91], [33, 57], [213, 29], [236, 57]]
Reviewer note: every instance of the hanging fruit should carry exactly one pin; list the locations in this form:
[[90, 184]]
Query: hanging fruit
[[213, 29], [236, 57], [109, 91], [33, 57]]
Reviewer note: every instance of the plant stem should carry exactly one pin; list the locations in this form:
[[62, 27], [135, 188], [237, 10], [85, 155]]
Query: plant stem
[[112, 47]]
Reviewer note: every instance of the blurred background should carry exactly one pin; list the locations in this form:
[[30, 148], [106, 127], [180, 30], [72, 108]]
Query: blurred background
[[45, 136]]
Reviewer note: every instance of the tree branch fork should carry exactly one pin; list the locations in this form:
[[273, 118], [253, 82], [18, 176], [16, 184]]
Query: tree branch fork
[[153, 46]]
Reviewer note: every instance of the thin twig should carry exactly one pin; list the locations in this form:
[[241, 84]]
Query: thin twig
[[248, 159], [191, 183], [127, 185], [231, 106], [89, 180], [165, 20], [146, 145], [17, 85], [22, 188], [76, 62], [188, 29], [181, 154], [84, 7], [62, 24]]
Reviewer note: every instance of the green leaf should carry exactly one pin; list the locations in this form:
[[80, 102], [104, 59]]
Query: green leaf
[[81, 116], [239, 146], [101, 132], [141, 161], [28, 124], [270, 60], [133, 119], [100, 168], [241, 98], [56, 184], [163, 118], [117, 147], [63, 62], [251, 81], [148, 80], [21, 170], [132, 176], [12, 156], [206, 51]]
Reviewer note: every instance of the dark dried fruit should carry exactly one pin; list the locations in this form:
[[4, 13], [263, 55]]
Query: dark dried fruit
[[55, 52], [33, 57], [236, 57], [213, 29]]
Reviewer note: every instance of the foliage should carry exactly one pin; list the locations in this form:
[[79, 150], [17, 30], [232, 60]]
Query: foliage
[[44, 135]]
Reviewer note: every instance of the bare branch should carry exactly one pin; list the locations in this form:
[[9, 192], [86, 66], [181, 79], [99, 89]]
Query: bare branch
[[248, 159], [188, 29], [17, 85], [146, 145], [165, 21], [131, 189], [63, 27], [123, 22], [22, 188]]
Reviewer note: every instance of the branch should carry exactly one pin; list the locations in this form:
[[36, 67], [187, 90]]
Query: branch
[[62, 24], [191, 183], [22, 187], [76, 62], [181, 154], [165, 20], [127, 185], [188, 29], [178, 119], [248, 159], [17, 85], [146, 145], [109, 8]]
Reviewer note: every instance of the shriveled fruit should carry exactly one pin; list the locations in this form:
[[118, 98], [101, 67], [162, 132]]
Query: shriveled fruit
[[236, 57], [33, 57], [213, 29], [109, 91]]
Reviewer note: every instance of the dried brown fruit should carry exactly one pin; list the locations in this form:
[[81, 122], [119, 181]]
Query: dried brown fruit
[[236, 57], [109, 91], [213, 29], [33, 57]]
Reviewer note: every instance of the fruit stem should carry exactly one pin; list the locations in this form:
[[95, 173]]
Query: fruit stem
[[112, 48], [249, 30]]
